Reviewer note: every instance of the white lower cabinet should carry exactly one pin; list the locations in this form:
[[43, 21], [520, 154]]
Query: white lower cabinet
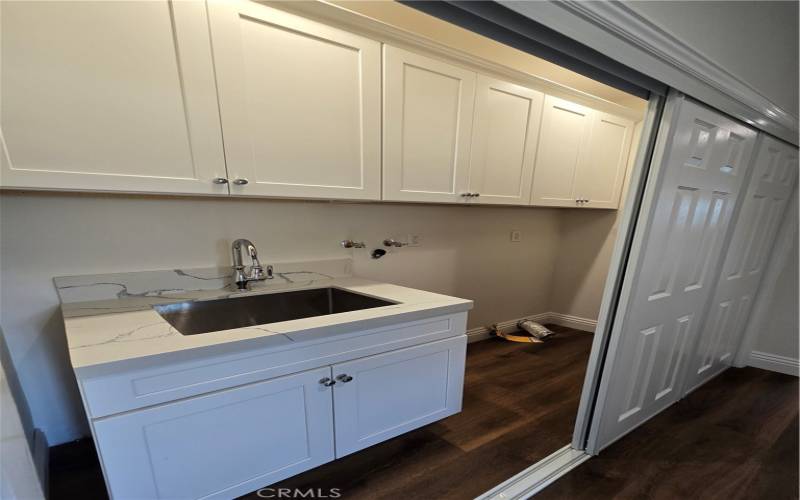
[[222, 444], [383, 396], [233, 441]]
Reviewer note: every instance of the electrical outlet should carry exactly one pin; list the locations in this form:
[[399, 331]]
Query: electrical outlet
[[413, 240], [516, 236]]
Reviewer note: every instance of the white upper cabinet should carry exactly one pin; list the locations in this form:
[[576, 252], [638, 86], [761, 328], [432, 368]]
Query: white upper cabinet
[[427, 125], [601, 172], [582, 156], [300, 104], [562, 145], [504, 137], [109, 96]]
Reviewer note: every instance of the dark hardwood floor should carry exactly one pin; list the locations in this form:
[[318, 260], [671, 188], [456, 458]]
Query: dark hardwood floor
[[734, 438], [520, 402]]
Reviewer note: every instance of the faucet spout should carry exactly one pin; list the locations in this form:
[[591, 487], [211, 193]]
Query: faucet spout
[[240, 277]]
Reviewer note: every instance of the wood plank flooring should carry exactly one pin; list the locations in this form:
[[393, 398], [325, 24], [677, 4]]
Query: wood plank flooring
[[734, 438], [520, 402]]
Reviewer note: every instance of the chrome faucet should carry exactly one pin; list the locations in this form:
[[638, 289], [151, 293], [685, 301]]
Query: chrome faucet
[[257, 272]]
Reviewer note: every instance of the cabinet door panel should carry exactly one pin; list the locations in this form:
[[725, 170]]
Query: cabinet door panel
[[504, 138], [562, 145], [396, 392], [222, 444], [110, 96], [601, 172], [300, 104], [428, 108]]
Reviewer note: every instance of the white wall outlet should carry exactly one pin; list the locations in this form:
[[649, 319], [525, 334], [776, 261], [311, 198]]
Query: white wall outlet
[[516, 236], [413, 240]]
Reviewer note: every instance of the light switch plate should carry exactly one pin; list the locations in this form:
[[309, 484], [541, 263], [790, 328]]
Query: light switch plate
[[516, 236]]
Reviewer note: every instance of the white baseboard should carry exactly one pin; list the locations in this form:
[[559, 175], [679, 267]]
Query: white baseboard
[[578, 323], [775, 363]]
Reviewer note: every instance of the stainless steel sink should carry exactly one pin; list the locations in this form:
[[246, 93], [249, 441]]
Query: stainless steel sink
[[203, 316]]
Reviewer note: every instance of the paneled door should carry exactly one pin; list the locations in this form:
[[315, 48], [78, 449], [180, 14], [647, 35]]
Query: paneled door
[[300, 104], [427, 125], [382, 396], [284, 426], [504, 138], [109, 96], [601, 171], [562, 147], [700, 162], [773, 180]]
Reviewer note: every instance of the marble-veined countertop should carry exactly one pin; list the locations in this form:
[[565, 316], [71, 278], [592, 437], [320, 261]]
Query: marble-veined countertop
[[110, 318]]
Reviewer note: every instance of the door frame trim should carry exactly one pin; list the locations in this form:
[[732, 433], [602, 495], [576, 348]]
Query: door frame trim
[[638, 204]]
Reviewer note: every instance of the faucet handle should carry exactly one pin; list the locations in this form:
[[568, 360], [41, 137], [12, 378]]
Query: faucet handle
[[353, 244], [389, 242]]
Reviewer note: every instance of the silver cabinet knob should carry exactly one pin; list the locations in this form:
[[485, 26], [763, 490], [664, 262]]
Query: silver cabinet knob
[[466, 195], [344, 378], [475, 195], [327, 382], [219, 180], [240, 181]]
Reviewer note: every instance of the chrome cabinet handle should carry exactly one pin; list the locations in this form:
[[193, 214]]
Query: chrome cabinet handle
[[344, 378], [219, 180], [466, 195], [327, 382], [475, 195], [240, 181]]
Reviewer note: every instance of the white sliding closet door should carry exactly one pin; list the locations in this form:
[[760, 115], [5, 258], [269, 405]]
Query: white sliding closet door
[[771, 186], [700, 161]]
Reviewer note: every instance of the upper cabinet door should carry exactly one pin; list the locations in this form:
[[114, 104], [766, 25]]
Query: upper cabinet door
[[109, 96], [504, 138], [601, 172], [427, 119], [562, 146], [300, 104]]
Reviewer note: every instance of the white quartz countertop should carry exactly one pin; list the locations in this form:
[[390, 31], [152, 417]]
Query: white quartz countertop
[[126, 327]]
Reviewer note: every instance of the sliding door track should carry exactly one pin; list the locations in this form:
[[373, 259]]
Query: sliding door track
[[536, 477]]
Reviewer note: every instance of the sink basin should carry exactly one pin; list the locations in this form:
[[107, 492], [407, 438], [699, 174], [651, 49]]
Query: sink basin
[[203, 316]]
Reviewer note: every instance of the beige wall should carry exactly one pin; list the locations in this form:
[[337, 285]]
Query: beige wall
[[465, 251], [781, 334]]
